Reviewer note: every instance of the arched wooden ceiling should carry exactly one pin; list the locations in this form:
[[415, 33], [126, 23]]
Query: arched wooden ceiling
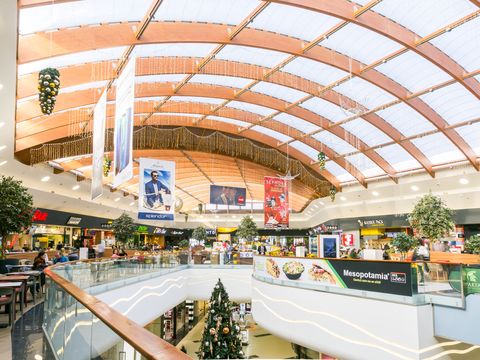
[[33, 129]]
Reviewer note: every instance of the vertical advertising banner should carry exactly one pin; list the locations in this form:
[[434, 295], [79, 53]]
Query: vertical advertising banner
[[99, 117], [156, 194], [276, 214], [123, 137]]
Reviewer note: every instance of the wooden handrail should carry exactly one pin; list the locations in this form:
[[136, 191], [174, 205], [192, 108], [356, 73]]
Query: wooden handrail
[[146, 343]]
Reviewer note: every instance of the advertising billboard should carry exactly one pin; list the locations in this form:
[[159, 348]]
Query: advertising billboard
[[276, 203], [156, 193], [99, 117], [123, 137], [227, 195]]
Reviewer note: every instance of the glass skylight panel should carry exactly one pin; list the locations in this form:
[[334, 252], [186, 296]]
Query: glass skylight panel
[[438, 148], [326, 109], [146, 98], [296, 123], [257, 109], [366, 132], [413, 72], [398, 157], [197, 99], [426, 16], [406, 120], [338, 145], [305, 149], [471, 134], [159, 78], [250, 55], [179, 114], [84, 86], [360, 44], [75, 13], [272, 133], [366, 166], [462, 44], [454, 103], [72, 59], [320, 73], [278, 91], [340, 173], [293, 21], [230, 81], [228, 120], [365, 93], [230, 12], [174, 49]]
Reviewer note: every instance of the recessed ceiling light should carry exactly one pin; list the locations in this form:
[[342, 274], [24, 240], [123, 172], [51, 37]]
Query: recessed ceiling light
[[414, 188], [76, 187], [117, 199], [343, 198], [3, 147], [1, 86], [216, 216], [321, 203], [375, 193], [3, 162], [45, 178], [201, 216], [463, 181], [132, 203], [234, 216], [2, 124]]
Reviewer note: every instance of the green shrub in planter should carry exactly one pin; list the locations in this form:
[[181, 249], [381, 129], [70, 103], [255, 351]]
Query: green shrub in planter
[[472, 245], [404, 243]]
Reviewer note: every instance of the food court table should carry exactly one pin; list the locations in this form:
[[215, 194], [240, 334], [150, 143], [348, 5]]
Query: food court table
[[36, 279], [11, 285], [18, 278]]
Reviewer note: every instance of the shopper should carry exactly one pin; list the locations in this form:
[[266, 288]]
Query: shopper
[[91, 252], [101, 249], [262, 249], [60, 257]]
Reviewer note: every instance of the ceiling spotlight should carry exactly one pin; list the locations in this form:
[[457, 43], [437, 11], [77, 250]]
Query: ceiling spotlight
[[463, 181], [375, 193], [234, 216], [1, 86], [117, 199], [132, 203], [3, 147], [45, 178], [76, 187], [321, 203], [2, 124], [216, 216], [414, 188], [343, 198]]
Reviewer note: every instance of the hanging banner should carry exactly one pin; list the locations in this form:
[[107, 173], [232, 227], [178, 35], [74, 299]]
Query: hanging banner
[[276, 213], [99, 118], [156, 194], [123, 138]]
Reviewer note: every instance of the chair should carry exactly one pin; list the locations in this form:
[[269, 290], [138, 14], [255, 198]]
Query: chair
[[7, 298], [5, 262]]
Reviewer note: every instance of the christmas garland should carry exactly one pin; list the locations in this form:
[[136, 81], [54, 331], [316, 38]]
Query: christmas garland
[[48, 86], [107, 165], [322, 158]]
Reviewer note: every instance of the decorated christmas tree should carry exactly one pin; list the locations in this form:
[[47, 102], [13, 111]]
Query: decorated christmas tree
[[221, 337]]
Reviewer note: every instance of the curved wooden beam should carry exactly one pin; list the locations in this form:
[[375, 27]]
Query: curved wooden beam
[[76, 75], [108, 35]]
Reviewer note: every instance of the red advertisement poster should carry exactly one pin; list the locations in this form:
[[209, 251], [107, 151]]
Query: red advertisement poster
[[347, 240], [276, 213]]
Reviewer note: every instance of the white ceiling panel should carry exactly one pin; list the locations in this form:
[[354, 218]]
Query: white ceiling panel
[[84, 86], [406, 120], [231, 81], [438, 148], [278, 91], [365, 93], [72, 59], [366, 166], [413, 72], [293, 21], [250, 55], [338, 145], [360, 44], [340, 173], [454, 103], [306, 149], [471, 134], [159, 78], [75, 13], [175, 49], [320, 73], [462, 44], [272, 133], [228, 120], [178, 114], [398, 157], [426, 16], [197, 99], [366, 132], [257, 109], [326, 109], [230, 12], [296, 123]]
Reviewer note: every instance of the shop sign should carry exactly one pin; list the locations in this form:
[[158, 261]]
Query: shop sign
[[39, 216], [324, 228], [371, 223], [384, 277], [471, 279], [177, 232], [211, 232], [159, 231], [74, 220], [106, 225], [142, 229], [347, 240]]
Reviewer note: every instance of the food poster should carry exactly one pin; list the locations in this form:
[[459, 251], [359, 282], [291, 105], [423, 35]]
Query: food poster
[[276, 203], [385, 277]]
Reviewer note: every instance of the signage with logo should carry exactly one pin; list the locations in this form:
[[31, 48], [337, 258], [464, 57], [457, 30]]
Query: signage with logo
[[347, 240], [142, 228], [107, 225], [227, 195], [74, 220], [371, 223], [160, 231], [471, 279], [323, 228], [39, 216], [385, 277]]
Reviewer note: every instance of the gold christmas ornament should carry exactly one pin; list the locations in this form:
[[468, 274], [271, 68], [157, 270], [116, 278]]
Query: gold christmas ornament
[[226, 330]]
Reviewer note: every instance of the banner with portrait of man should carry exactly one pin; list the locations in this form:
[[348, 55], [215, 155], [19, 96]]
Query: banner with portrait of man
[[276, 205], [156, 193]]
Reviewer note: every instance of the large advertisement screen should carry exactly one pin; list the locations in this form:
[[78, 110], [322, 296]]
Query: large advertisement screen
[[385, 277], [156, 193], [99, 117], [123, 137], [276, 204], [227, 195]]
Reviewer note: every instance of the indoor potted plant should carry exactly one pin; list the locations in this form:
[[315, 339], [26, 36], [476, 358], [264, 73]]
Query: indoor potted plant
[[123, 228], [247, 229], [403, 244], [472, 245]]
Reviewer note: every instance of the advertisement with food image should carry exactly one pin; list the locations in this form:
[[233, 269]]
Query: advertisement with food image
[[272, 268], [320, 272]]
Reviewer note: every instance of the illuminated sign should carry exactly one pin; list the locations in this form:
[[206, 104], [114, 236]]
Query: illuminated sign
[[39, 216], [142, 228], [160, 231], [74, 220]]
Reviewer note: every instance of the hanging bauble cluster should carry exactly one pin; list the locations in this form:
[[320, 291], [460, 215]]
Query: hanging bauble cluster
[[107, 165], [333, 192], [322, 158], [48, 86]]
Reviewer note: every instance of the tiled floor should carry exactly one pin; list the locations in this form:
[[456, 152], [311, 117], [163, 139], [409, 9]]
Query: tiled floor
[[261, 344]]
